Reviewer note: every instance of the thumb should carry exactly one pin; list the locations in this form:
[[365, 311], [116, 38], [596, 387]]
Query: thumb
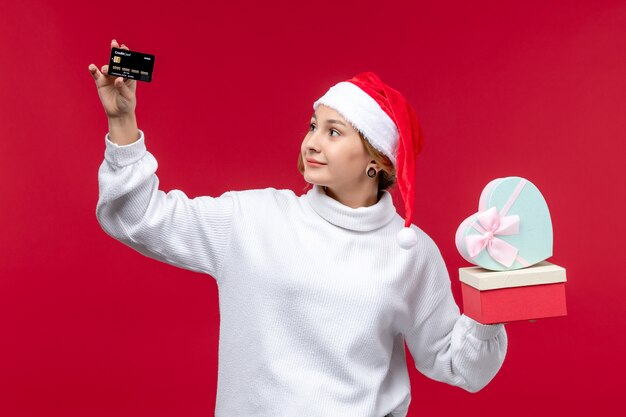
[[123, 88]]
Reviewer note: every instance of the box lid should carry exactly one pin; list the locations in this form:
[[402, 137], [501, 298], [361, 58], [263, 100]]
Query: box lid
[[485, 279]]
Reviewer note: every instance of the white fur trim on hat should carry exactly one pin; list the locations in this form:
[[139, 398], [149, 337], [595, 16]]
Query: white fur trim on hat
[[364, 113]]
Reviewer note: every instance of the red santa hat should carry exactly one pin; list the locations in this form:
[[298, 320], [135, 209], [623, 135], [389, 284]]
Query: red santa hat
[[389, 124]]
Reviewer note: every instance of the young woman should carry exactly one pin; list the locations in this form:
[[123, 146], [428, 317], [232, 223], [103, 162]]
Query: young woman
[[318, 293]]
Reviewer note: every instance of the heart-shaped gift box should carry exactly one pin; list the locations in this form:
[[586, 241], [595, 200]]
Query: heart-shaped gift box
[[511, 230]]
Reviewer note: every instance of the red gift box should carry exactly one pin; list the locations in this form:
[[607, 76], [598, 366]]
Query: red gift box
[[523, 294]]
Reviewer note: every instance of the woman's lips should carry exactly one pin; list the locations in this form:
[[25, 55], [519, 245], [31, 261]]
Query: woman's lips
[[314, 164]]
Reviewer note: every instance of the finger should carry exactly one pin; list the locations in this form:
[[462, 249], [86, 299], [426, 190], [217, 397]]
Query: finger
[[130, 83], [124, 47], [114, 44], [105, 69], [94, 72], [123, 88]]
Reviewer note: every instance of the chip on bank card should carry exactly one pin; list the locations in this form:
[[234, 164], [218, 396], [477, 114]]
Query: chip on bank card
[[131, 64]]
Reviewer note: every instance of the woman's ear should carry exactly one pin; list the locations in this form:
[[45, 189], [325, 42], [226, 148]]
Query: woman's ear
[[374, 164]]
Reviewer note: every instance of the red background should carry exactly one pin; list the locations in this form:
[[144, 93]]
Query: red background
[[535, 89]]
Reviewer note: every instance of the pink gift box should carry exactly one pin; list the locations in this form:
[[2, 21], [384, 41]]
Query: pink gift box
[[530, 293]]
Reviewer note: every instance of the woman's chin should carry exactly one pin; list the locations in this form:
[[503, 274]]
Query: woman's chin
[[311, 179], [314, 183]]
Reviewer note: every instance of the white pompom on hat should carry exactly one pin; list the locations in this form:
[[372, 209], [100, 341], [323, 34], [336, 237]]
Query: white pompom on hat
[[390, 124]]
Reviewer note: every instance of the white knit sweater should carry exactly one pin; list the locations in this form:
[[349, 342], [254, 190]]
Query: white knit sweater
[[316, 298]]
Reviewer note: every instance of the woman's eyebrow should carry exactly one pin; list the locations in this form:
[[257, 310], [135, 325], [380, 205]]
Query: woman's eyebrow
[[331, 121]]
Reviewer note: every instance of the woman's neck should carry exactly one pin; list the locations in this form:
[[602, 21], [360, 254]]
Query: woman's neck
[[354, 199]]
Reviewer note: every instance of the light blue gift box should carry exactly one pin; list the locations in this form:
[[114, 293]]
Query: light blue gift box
[[511, 200]]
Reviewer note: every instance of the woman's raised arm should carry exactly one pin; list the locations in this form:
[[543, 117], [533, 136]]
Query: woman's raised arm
[[168, 226], [119, 99], [189, 233]]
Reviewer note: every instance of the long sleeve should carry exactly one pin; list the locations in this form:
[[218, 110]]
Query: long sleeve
[[448, 346], [189, 233]]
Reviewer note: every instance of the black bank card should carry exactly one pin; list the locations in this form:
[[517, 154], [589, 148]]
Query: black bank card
[[131, 64]]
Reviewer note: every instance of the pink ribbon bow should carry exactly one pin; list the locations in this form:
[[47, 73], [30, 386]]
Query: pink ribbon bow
[[493, 223]]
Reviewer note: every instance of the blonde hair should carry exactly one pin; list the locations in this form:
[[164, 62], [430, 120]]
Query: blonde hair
[[387, 174]]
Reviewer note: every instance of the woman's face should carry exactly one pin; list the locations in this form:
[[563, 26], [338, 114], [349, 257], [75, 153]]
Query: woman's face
[[338, 148]]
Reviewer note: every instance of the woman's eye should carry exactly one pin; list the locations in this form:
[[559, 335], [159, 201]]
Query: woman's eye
[[312, 126]]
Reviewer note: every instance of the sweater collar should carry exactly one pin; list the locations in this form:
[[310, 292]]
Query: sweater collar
[[361, 219]]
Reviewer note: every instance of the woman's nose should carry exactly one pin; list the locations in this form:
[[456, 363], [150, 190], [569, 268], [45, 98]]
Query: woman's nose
[[313, 142]]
